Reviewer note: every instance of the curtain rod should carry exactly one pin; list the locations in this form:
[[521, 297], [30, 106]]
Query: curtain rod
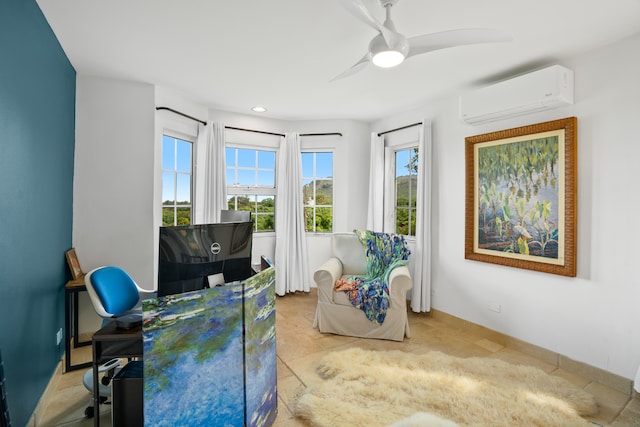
[[400, 128], [280, 134], [264, 132], [322, 134], [181, 114], [246, 130]]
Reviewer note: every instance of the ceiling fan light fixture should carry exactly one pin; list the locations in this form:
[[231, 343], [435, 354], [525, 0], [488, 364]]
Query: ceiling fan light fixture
[[386, 57]]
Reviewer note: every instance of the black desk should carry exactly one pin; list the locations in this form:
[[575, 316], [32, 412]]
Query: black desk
[[108, 343], [71, 290]]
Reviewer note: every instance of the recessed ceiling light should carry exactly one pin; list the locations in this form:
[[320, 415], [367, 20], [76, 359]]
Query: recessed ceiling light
[[259, 109]]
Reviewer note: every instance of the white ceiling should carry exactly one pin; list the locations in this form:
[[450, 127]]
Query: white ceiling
[[232, 55]]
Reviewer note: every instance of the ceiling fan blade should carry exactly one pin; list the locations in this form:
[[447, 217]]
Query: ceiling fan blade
[[362, 12], [358, 66], [446, 39]]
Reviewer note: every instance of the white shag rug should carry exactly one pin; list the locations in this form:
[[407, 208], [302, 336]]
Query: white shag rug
[[363, 388]]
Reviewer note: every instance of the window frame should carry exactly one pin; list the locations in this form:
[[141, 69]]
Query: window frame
[[191, 140], [255, 191], [390, 185], [412, 209], [315, 151]]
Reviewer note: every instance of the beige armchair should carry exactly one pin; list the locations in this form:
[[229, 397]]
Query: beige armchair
[[335, 313]]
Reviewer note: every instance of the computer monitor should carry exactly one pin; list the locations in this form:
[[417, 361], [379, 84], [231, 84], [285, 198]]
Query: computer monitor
[[234, 216], [191, 255]]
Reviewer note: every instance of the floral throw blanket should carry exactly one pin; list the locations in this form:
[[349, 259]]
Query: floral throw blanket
[[370, 293]]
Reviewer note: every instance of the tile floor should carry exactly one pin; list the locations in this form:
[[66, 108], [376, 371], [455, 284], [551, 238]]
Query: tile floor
[[299, 346]]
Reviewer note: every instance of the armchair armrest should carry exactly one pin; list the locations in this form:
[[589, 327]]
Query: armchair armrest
[[399, 283], [325, 277]]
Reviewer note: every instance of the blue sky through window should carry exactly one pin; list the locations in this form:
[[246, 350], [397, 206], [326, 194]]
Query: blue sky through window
[[168, 189], [246, 158], [176, 158], [250, 168], [183, 163], [402, 162], [324, 165], [168, 153]]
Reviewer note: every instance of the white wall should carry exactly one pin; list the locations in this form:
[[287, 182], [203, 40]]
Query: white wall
[[593, 318], [113, 178]]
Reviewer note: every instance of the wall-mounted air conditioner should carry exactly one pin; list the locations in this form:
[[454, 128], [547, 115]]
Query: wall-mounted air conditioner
[[536, 91]]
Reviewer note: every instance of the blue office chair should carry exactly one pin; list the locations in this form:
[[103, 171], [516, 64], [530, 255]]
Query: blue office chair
[[115, 296], [108, 370]]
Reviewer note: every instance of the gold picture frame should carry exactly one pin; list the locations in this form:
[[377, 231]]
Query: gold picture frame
[[521, 197], [74, 264]]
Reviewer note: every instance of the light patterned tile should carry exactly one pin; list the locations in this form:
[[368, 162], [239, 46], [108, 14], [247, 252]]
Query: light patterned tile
[[288, 390], [630, 415], [610, 402], [489, 345], [601, 376], [286, 419], [515, 357], [571, 377]]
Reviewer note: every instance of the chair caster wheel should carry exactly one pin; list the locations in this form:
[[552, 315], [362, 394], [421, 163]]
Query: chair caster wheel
[[88, 412]]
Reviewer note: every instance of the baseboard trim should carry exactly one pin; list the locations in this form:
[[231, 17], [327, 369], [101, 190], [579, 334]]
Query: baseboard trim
[[558, 360]]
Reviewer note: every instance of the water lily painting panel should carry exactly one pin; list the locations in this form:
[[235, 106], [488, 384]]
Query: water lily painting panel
[[193, 359], [210, 356], [260, 349]]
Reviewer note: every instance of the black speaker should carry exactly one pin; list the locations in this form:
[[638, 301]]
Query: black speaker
[[127, 396]]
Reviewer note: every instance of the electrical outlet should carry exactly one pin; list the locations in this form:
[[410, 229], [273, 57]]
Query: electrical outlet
[[59, 336], [494, 307]]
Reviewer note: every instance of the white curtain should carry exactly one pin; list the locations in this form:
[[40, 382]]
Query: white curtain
[[292, 269], [421, 292], [211, 183], [375, 211]]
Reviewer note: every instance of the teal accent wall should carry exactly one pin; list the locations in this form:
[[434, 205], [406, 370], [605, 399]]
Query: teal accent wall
[[37, 128]]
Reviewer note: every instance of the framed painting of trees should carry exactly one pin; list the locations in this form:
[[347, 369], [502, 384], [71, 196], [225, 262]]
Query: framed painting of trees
[[521, 197]]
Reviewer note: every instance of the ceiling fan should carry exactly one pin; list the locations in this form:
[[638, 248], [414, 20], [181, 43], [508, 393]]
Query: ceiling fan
[[389, 48]]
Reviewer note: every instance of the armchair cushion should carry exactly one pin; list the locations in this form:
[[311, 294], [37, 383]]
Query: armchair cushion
[[349, 251]]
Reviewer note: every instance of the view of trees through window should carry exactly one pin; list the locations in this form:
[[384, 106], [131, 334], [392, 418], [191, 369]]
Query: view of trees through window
[[251, 184], [262, 209], [317, 191], [176, 181], [406, 191]]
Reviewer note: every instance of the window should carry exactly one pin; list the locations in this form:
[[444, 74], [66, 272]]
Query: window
[[406, 185], [251, 185], [317, 191], [176, 181]]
